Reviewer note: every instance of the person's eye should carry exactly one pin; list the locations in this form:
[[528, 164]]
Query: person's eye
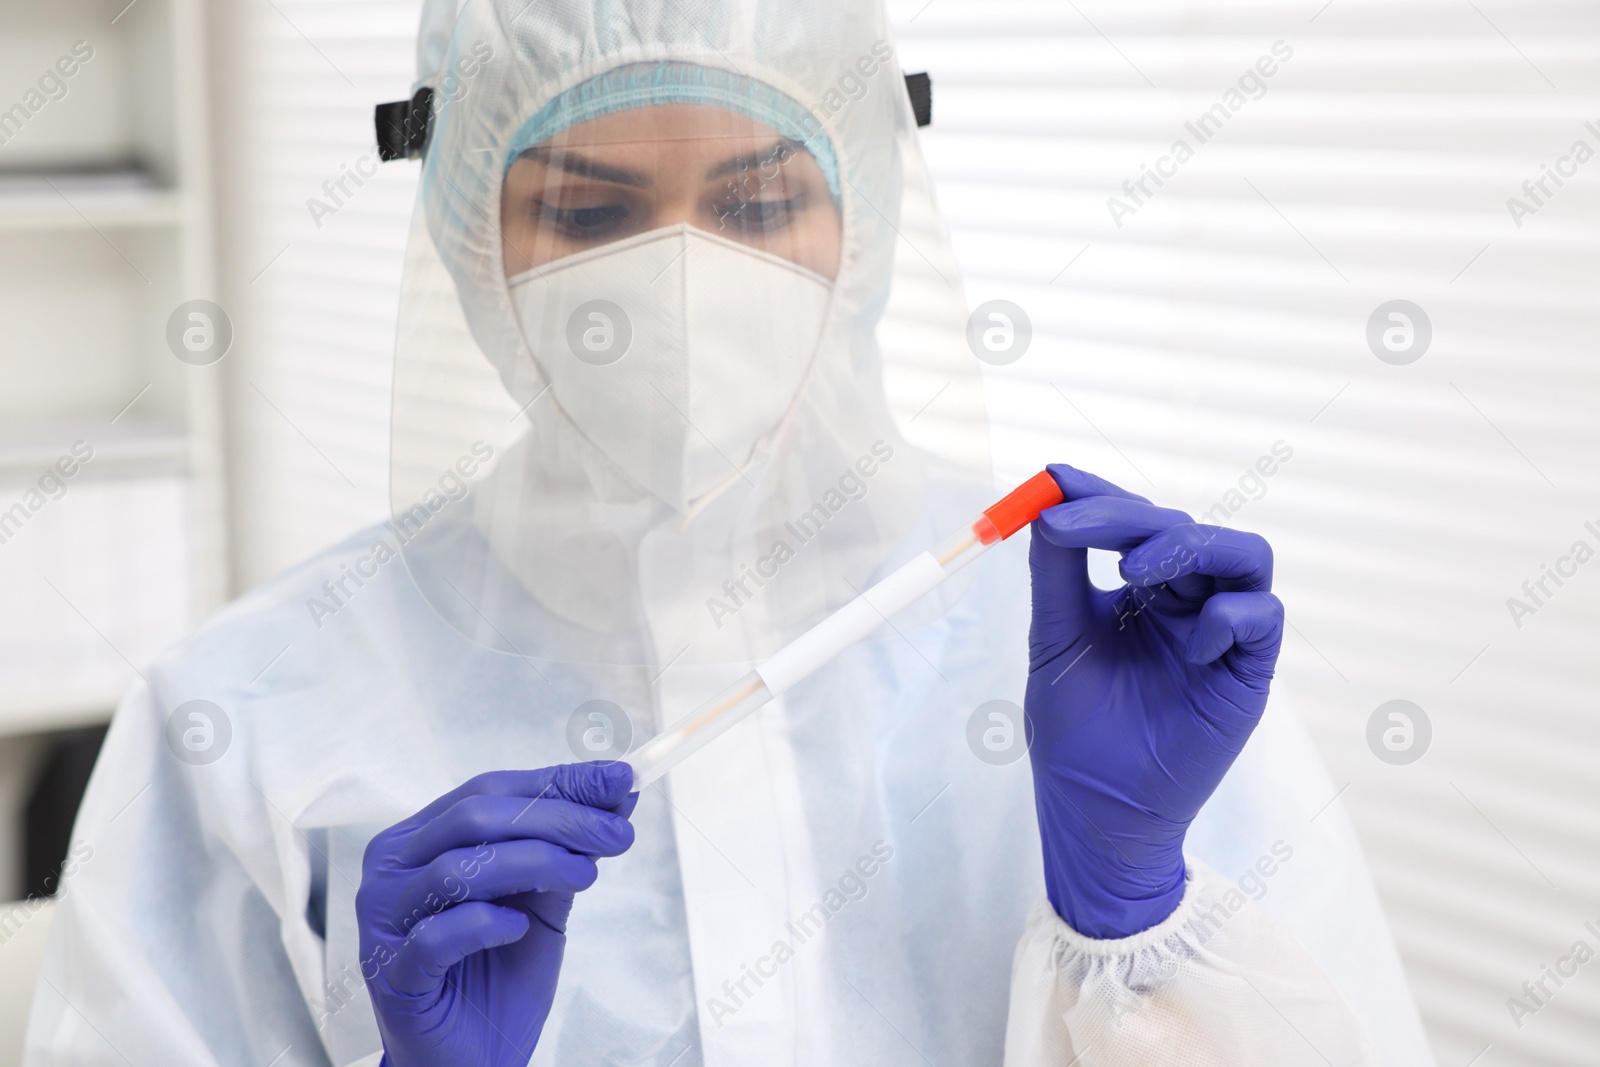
[[583, 223], [759, 216]]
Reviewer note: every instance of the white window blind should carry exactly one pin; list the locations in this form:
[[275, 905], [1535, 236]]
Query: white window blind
[[1224, 321], [313, 234]]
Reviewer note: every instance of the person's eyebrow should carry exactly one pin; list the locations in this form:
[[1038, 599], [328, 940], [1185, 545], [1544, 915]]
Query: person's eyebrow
[[570, 162], [752, 160]]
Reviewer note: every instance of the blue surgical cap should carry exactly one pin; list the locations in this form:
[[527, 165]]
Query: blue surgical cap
[[649, 84]]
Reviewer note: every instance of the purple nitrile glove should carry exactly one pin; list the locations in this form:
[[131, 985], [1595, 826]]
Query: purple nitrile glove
[[1139, 699], [463, 909]]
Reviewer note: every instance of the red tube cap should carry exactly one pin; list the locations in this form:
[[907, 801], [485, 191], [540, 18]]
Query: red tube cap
[[1018, 508]]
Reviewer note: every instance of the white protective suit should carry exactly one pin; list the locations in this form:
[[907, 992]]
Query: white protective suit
[[840, 879]]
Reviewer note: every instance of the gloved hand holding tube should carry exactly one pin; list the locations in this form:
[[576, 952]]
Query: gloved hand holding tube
[[1138, 699], [463, 910]]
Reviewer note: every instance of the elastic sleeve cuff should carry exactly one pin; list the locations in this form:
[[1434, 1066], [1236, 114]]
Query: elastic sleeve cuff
[[1217, 981], [1045, 917]]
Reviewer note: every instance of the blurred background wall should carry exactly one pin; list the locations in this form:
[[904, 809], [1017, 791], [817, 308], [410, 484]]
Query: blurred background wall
[[1212, 327]]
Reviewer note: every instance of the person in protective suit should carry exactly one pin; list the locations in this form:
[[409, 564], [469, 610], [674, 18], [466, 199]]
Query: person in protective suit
[[681, 368]]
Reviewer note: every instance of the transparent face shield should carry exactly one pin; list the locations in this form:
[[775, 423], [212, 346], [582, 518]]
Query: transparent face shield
[[681, 364], [631, 172]]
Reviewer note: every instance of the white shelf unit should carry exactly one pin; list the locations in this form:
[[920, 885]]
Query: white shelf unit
[[105, 229], [70, 203]]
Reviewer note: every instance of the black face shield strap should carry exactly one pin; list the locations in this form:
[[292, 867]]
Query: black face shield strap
[[404, 126], [920, 86]]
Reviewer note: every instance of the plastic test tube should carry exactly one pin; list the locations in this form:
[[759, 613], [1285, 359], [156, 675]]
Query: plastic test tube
[[808, 652]]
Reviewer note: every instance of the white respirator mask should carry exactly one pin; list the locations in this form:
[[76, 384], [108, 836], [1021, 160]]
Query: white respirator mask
[[674, 352]]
